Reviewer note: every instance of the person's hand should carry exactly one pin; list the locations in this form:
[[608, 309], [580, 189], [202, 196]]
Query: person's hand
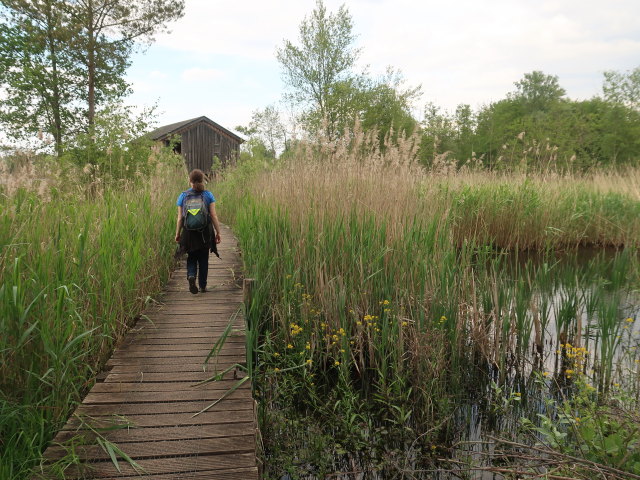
[[178, 237], [218, 240]]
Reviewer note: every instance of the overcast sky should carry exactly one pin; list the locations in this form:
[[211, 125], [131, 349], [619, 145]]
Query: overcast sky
[[219, 59]]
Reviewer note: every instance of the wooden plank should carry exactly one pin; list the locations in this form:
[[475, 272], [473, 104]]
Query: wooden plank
[[173, 419], [149, 434], [150, 384], [124, 387], [234, 337], [152, 328], [188, 333], [166, 448], [214, 327], [146, 351], [170, 377], [250, 473], [190, 363], [143, 369], [168, 465], [216, 315], [155, 397], [107, 410], [165, 346], [180, 289]]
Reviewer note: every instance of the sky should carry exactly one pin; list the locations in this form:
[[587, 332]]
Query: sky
[[219, 60]]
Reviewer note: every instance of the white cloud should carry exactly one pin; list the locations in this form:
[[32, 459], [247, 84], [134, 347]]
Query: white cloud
[[158, 75], [461, 51], [245, 28], [201, 74]]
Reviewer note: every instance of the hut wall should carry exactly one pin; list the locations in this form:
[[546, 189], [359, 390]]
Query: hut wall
[[198, 147], [201, 142]]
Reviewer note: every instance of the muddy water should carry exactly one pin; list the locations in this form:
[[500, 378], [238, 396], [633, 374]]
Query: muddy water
[[583, 312], [587, 309]]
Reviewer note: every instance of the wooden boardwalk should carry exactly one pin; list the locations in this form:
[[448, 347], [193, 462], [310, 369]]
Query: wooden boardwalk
[[149, 383]]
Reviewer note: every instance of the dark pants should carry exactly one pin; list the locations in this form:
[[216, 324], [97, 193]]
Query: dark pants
[[198, 259]]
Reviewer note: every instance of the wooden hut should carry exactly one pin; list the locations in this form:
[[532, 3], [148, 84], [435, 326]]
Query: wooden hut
[[198, 140]]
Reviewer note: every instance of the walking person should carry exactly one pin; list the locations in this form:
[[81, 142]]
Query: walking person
[[197, 229]]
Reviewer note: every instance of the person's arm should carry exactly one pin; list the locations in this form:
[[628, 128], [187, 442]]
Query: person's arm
[[179, 224], [214, 219]]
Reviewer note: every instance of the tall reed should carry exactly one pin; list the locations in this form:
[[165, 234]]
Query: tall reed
[[383, 287], [81, 255]]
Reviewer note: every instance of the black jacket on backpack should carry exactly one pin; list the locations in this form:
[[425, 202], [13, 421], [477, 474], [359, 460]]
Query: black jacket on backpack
[[191, 240]]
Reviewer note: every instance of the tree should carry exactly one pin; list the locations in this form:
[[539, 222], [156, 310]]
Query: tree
[[267, 127], [321, 63], [623, 88], [58, 56], [107, 30], [538, 91], [37, 71], [388, 107]]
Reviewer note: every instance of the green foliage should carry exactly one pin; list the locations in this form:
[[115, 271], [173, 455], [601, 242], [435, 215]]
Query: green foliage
[[80, 255], [324, 57], [536, 128], [266, 129], [63, 60], [38, 71], [387, 108], [104, 34], [537, 91], [376, 320], [623, 88], [320, 74], [584, 426], [116, 145]]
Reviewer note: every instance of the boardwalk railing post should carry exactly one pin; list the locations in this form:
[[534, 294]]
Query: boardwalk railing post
[[247, 288]]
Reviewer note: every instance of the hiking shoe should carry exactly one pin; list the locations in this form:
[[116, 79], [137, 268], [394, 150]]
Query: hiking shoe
[[192, 285], [203, 289]]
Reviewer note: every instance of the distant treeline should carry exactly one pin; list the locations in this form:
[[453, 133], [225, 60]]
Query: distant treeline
[[539, 126], [536, 125]]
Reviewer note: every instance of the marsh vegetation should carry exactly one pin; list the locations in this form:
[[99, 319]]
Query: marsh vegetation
[[409, 321]]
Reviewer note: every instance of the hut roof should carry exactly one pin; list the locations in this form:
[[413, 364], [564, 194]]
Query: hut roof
[[164, 132]]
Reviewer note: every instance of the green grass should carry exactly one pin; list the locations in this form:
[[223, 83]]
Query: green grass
[[385, 296], [78, 263]]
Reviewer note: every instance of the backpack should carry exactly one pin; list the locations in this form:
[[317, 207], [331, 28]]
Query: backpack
[[195, 215]]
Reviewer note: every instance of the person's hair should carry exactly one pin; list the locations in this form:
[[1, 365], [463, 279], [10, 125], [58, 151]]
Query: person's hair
[[196, 177]]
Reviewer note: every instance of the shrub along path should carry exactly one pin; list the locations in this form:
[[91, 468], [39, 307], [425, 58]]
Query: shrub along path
[[150, 385]]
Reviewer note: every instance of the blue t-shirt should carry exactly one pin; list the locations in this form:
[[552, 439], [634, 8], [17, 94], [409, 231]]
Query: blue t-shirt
[[208, 198]]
